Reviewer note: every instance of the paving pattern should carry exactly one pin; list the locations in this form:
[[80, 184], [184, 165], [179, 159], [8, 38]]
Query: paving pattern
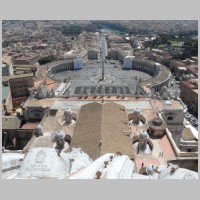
[[87, 81]]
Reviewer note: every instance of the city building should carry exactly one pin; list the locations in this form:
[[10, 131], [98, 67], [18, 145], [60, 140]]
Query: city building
[[173, 115], [19, 85], [174, 64], [93, 54], [19, 88], [7, 67], [78, 63], [189, 94], [159, 56], [193, 69], [26, 60], [128, 62], [130, 115]]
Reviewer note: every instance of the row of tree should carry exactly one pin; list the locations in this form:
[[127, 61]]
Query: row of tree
[[46, 59], [188, 49], [72, 30], [111, 25]]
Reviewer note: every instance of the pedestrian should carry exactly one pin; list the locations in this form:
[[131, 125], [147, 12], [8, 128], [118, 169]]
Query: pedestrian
[[142, 165]]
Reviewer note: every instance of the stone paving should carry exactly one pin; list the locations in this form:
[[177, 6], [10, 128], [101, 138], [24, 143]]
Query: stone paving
[[160, 145], [117, 81]]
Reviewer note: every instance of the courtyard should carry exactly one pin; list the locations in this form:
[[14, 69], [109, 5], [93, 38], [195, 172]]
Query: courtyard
[[117, 81]]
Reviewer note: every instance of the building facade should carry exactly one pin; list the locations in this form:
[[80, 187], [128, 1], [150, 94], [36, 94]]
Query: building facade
[[26, 60], [189, 94], [19, 85], [7, 67], [93, 54]]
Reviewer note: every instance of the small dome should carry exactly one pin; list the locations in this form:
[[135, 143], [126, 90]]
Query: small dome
[[157, 122], [137, 111], [68, 111], [59, 135], [143, 134], [38, 127]]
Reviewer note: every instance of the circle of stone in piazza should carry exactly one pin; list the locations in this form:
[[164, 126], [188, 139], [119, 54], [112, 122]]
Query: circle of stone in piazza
[[114, 76]]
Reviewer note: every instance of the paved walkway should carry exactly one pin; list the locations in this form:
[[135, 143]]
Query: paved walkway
[[166, 148], [160, 145]]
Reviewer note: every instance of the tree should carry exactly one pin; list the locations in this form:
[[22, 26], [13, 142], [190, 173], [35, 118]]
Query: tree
[[169, 43], [46, 59]]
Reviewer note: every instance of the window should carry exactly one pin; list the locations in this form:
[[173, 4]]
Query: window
[[170, 118]]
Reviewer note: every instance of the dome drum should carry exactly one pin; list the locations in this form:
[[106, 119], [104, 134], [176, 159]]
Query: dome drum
[[68, 115], [59, 135], [67, 112], [143, 135]]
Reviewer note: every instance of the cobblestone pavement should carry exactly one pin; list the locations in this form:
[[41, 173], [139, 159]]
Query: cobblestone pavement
[[117, 81]]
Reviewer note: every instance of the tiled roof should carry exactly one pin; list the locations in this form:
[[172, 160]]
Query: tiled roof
[[99, 130]]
